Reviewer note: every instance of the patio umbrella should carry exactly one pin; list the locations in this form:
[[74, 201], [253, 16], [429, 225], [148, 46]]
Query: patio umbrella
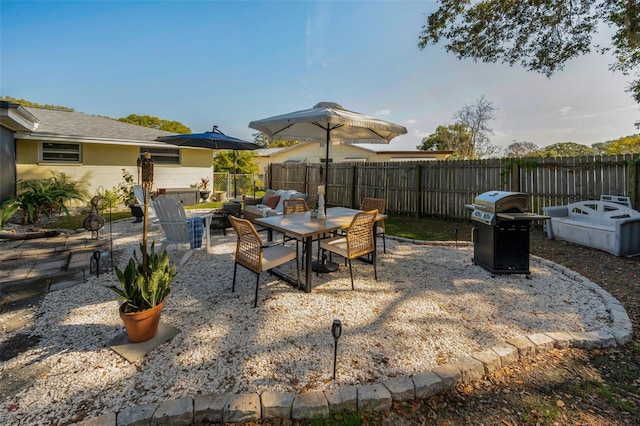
[[328, 123], [214, 139]]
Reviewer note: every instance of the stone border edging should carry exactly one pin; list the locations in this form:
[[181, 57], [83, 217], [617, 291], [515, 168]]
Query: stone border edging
[[251, 407]]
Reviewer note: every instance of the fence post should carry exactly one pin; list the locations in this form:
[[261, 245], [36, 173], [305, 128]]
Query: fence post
[[515, 176], [418, 195], [633, 180]]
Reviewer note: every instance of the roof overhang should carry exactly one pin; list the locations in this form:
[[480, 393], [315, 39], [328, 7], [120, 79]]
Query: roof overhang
[[50, 137], [15, 117]]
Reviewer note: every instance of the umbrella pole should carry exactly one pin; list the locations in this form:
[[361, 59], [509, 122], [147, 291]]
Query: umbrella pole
[[235, 187], [326, 174], [324, 266]]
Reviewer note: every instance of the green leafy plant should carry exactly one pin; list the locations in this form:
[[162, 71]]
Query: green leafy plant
[[111, 197], [8, 209], [125, 189], [43, 197], [141, 288]]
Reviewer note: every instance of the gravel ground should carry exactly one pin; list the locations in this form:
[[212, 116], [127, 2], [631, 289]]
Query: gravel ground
[[430, 306]]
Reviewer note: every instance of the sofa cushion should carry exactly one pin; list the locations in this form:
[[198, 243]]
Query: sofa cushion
[[261, 210], [273, 201]]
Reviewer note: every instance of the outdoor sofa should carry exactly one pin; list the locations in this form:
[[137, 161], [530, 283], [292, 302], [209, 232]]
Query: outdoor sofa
[[610, 226], [265, 206]]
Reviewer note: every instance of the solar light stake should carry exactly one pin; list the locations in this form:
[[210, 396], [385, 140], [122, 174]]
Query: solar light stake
[[455, 234], [336, 331]]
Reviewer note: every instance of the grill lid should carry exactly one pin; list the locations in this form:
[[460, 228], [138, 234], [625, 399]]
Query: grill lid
[[501, 201]]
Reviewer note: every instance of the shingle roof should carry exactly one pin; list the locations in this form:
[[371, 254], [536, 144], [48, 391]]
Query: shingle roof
[[80, 125]]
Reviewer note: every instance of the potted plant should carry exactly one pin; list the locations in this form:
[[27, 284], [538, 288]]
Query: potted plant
[[127, 197], [203, 186], [144, 285]]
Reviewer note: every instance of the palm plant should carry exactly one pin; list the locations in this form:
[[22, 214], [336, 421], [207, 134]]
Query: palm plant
[[43, 197]]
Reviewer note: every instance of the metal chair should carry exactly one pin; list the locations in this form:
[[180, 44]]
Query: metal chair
[[253, 254], [358, 241], [379, 204]]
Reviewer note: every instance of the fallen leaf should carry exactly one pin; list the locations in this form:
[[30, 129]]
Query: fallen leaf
[[560, 403]]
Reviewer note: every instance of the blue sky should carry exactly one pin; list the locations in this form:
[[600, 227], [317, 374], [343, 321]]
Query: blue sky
[[228, 63]]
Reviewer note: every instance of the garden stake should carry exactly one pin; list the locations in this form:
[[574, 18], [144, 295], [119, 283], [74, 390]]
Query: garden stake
[[455, 234]]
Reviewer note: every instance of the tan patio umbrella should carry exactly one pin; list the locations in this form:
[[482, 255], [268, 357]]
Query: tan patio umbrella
[[328, 123]]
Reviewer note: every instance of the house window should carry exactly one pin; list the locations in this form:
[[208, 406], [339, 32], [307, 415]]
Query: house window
[[60, 152], [162, 155]]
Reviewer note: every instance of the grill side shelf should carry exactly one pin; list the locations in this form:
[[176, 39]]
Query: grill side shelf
[[521, 216]]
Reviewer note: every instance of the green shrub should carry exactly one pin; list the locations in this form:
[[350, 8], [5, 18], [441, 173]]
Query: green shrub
[[111, 197], [43, 197], [127, 196]]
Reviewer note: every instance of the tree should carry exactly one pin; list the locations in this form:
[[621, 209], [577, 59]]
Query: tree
[[244, 162], [476, 117], [26, 103], [541, 36], [244, 165], [601, 147], [265, 141], [156, 123], [566, 149], [454, 137], [261, 139], [521, 149], [625, 145]]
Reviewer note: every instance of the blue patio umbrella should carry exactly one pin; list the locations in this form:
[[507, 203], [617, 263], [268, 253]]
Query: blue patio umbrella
[[214, 139]]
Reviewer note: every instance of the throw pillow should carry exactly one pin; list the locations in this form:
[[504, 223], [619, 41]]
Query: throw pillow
[[272, 201], [267, 194]]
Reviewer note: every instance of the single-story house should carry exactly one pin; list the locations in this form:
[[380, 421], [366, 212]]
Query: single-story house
[[89, 148], [313, 152]]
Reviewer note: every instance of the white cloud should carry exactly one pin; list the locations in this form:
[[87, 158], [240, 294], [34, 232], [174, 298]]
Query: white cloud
[[383, 112], [315, 28], [565, 110], [411, 121]]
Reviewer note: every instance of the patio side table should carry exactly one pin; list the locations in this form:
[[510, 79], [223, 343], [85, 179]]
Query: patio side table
[[220, 217]]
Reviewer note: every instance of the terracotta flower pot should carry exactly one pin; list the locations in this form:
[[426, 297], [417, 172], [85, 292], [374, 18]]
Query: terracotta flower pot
[[141, 326]]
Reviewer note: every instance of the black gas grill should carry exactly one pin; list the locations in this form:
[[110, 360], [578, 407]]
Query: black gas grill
[[501, 231]]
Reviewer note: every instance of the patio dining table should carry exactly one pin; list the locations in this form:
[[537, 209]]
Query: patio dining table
[[306, 228]]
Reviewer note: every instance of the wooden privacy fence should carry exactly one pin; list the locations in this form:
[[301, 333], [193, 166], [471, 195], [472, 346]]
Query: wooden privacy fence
[[442, 188]]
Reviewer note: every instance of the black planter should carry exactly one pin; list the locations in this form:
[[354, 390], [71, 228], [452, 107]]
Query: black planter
[[204, 195], [137, 212]]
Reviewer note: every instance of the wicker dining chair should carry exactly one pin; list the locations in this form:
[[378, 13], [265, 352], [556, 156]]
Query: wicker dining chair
[[381, 205], [294, 205], [253, 254], [358, 241], [291, 206]]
